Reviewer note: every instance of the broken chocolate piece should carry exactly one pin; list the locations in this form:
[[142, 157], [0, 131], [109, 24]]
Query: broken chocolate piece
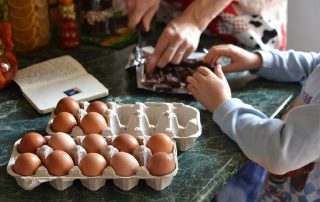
[[172, 80], [182, 73], [162, 87], [150, 79]]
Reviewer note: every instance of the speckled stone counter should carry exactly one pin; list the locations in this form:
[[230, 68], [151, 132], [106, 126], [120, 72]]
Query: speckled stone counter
[[203, 170]]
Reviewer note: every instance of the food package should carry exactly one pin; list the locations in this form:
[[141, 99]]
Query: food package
[[170, 79]]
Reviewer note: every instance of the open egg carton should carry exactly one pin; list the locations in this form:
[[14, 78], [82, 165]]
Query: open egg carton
[[142, 154], [179, 121]]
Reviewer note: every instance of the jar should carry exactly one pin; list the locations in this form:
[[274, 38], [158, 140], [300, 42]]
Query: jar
[[30, 24], [8, 61], [94, 17]]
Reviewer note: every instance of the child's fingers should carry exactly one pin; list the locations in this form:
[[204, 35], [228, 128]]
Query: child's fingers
[[191, 80], [211, 58], [218, 51], [204, 71], [233, 67], [198, 76], [191, 88], [218, 71], [225, 50], [230, 51]]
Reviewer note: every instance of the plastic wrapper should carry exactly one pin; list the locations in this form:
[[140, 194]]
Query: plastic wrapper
[[170, 79]]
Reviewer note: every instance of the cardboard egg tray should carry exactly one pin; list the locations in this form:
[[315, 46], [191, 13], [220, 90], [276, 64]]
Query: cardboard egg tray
[[179, 121], [92, 183]]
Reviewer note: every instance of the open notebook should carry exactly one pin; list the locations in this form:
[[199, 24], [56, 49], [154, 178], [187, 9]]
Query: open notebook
[[44, 84]]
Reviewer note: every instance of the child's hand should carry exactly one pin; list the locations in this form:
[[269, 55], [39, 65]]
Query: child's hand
[[240, 58], [208, 88]]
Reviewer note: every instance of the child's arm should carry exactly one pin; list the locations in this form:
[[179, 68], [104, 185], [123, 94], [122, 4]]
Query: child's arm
[[279, 146], [285, 66], [288, 66]]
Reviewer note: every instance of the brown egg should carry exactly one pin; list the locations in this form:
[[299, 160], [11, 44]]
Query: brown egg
[[125, 142], [58, 163], [160, 142], [124, 164], [26, 164], [160, 164], [61, 141], [97, 106], [30, 142], [93, 143], [67, 104], [63, 122], [92, 165], [93, 122]]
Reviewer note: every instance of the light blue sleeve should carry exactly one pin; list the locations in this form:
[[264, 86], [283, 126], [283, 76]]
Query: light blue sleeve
[[288, 66], [279, 146]]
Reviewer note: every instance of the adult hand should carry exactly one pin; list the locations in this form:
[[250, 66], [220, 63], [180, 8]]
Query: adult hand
[[179, 38], [241, 59], [141, 11]]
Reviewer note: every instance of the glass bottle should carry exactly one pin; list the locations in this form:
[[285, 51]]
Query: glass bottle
[[30, 24], [8, 61]]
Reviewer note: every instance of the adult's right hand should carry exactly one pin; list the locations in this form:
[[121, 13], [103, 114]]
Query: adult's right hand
[[179, 38], [141, 11]]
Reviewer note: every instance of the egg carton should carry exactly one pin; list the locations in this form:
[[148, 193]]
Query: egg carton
[[92, 183], [179, 121]]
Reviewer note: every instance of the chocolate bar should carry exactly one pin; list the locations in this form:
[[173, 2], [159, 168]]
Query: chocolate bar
[[172, 76]]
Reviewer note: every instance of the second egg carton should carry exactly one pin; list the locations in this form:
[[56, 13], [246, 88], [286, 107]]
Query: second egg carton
[[179, 121], [92, 183]]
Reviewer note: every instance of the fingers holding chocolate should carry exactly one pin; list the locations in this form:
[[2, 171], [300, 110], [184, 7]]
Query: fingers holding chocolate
[[177, 42]]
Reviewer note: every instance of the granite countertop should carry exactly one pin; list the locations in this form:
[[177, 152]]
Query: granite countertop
[[203, 169]]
